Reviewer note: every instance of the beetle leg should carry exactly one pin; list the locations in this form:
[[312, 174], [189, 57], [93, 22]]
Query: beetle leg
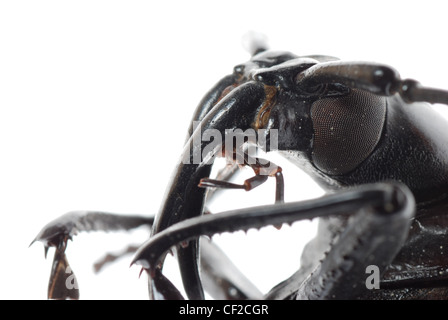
[[262, 169], [112, 257], [384, 208], [161, 288], [224, 174], [248, 184], [370, 241], [261, 175], [221, 278], [59, 231], [376, 78]]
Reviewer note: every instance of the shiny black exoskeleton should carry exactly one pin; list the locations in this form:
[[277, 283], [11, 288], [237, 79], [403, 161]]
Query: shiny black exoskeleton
[[366, 136]]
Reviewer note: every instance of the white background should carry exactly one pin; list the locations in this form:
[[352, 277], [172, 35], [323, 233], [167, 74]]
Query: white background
[[95, 99]]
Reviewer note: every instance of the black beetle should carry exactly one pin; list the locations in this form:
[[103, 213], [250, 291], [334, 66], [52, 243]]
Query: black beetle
[[366, 136]]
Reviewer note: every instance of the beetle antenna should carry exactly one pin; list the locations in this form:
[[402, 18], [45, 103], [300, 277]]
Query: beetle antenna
[[255, 42]]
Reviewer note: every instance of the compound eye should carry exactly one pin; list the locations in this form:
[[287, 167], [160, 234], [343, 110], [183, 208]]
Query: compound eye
[[346, 130]]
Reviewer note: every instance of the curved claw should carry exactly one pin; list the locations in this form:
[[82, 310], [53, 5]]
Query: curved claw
[[57, 232], [63, 284], [163, 289]]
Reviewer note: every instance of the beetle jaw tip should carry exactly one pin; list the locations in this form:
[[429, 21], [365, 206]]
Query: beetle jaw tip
[[145, 265]]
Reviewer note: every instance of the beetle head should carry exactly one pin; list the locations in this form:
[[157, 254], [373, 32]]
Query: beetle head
[[334, 126]]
